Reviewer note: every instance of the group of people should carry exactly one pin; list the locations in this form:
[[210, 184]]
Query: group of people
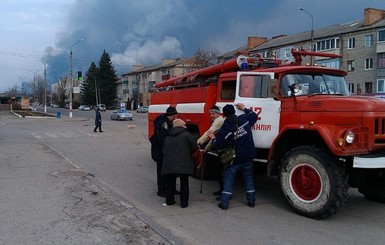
[[173, 146]]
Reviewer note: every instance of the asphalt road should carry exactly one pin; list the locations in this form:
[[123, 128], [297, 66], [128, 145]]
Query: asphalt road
[[120, 162]]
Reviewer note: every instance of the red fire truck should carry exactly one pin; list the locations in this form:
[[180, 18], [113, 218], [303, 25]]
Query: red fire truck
[[311, 132]]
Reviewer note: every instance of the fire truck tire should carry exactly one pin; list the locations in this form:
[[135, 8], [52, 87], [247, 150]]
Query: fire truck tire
[[313, 182], [374, 186]]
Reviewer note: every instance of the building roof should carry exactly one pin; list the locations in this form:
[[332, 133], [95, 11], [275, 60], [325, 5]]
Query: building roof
[[159, 66], [319, 34]]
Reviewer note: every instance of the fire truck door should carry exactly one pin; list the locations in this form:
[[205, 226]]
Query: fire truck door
[[253, 90]]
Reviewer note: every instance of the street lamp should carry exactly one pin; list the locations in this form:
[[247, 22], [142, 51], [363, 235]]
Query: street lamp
[[311, 33], [45, 85], [72, 81]]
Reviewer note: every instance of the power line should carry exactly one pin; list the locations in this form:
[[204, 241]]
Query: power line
[[33, 56]]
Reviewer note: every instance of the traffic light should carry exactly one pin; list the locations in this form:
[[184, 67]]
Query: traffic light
[[80, 76]]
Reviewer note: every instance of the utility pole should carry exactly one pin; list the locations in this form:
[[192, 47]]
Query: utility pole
[[71, 77], [45, 85]]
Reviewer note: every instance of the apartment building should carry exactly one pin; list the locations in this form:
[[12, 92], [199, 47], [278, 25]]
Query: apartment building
[[361, 45], [135, 87]]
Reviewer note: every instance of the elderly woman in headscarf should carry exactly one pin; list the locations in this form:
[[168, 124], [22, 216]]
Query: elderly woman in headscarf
[[178, 161]]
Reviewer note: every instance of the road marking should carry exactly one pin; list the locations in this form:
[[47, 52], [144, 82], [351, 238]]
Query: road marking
[[55, 135], [36, 136], [51, 135]]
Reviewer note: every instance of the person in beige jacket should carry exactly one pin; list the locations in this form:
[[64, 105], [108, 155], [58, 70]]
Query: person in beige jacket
[[204, 142], [216, 123]]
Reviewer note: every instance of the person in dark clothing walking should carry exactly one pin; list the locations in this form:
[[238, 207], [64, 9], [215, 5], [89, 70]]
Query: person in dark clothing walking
[[162, 124], [98, 120], [179, 146], [238, 128]]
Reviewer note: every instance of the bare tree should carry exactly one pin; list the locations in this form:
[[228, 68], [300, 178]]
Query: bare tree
[[40, 88], [61, 91], [13, 91], [204, 58]]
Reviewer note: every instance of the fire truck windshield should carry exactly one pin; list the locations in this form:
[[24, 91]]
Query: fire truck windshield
[[311, 84]]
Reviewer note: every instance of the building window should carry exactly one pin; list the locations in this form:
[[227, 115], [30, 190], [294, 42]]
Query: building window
[[368, 64], [165, 71], [350, 65], [368, 40], [287, 53], [381, 60], [381, 36], [351, 43], [368, 88], [351, 87], [327, 44], [380, 85], [332, 63]]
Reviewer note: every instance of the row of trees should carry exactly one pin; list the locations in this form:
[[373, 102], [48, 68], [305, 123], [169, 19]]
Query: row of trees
[[99, 84], [37, 86]]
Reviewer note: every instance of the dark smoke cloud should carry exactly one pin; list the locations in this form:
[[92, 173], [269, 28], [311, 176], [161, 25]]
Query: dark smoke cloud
[[132, 32], [145, 31]]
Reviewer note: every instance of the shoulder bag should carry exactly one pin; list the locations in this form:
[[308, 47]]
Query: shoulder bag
[[226, 157]]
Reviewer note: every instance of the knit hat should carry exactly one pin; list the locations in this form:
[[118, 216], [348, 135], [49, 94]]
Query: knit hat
[[178, 123], [215, 109], [171, 111], [228, 110]]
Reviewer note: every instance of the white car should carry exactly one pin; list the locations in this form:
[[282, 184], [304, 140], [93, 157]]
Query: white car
[[102, 107], [84, 108], [142, 109], [121, 114]]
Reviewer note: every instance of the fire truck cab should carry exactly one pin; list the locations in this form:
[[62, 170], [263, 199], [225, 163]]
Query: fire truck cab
[[311, 133]]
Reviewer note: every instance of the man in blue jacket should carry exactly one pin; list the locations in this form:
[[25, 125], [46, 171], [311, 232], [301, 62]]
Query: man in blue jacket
[[238, 128]]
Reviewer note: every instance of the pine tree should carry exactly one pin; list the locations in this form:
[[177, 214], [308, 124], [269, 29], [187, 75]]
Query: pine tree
[[107, 80], [88, 86]]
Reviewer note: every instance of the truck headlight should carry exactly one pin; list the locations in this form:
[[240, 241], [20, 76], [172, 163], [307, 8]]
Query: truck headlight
[[349, 137]]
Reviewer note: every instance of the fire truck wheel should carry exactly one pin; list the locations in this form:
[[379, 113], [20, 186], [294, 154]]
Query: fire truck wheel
[[374, 186], [313, 182]]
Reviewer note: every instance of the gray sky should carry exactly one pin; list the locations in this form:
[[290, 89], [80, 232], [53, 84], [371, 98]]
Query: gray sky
[[145, 31]]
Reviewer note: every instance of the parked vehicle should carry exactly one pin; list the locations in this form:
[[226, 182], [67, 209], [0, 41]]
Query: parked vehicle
[[121, 114], [102, 107], [31, 107], [84, 108], [142, 109], [311, 133]]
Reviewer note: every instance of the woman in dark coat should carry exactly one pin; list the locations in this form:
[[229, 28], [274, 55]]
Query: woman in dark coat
[[178, 148]]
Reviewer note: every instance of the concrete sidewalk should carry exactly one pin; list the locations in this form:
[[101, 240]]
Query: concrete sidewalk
[[46, 200]]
